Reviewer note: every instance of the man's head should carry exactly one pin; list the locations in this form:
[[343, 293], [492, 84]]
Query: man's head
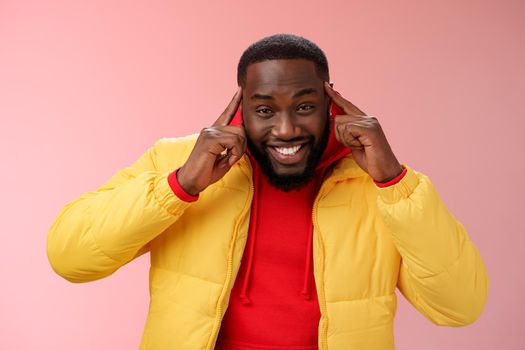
[[285, 109]]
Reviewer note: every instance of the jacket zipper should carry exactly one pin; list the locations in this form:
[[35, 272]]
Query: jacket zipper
[[323, 336], [218, 312]]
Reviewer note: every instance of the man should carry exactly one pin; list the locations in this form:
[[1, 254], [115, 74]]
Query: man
[[287, 224]]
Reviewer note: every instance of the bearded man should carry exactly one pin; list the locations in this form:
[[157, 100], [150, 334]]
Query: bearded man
[[287, 224]]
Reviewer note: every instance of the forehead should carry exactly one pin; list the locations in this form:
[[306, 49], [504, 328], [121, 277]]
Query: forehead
[[281, 76]]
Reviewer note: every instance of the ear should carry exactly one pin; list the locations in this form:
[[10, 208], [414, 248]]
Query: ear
[[331, 83], [331, 104], [240, 112]]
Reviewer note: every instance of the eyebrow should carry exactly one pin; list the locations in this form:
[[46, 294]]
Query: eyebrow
[[299, 93]]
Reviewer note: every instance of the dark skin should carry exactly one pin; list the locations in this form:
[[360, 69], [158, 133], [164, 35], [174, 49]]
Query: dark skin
[[285, 104], [364, 136]]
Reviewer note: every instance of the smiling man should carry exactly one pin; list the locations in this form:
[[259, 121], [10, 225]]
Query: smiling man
[[287, 224], [290, 90]]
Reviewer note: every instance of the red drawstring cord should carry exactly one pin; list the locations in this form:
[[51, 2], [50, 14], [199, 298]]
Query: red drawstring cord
[[305, 292], [307, 266]]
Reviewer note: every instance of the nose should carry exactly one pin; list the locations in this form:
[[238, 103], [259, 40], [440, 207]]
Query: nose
[[285, 128]]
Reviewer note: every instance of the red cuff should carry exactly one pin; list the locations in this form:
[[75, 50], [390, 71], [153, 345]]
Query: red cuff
[[178, 190], [394, 181]]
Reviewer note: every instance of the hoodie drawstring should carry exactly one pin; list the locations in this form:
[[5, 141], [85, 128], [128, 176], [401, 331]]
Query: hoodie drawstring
[[307, 265], [305, 292]]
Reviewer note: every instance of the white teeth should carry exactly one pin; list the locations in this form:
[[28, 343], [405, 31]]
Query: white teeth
[[288, 151]]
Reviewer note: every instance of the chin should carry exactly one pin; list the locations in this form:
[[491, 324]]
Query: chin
[[289, 171], [286, 177]]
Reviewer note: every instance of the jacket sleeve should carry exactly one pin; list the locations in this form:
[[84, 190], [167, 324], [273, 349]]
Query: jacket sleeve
[[102, 230], [441, 273]]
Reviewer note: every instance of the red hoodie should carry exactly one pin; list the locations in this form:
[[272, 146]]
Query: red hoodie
[[273, 304]]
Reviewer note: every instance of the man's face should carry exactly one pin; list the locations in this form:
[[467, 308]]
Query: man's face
[[285, 115]]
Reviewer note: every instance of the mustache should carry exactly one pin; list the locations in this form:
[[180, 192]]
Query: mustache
[[295, 139]]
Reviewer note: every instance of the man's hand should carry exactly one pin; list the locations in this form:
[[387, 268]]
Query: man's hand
[[364, 136], [216, 150]]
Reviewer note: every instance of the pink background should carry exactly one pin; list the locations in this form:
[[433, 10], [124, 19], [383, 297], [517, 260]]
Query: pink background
[[86, 87]]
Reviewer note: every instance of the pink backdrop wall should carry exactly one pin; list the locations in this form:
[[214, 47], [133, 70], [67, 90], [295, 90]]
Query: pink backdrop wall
[[87, 86]]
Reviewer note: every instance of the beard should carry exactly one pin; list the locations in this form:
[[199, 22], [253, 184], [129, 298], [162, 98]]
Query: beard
[[290, 182]]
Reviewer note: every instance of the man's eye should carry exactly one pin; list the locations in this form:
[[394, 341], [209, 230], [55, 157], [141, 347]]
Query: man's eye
[[305, 108], [264, 111]]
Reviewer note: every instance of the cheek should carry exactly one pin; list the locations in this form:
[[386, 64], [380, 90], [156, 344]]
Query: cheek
[[255, 128], [317, 125]]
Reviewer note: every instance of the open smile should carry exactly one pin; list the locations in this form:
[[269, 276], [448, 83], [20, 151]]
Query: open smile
[[289, 154]]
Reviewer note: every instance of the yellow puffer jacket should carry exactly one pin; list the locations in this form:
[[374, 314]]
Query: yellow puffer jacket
[[367, 241]]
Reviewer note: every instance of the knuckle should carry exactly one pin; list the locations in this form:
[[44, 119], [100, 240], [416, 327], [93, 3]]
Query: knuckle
[[208, 131]]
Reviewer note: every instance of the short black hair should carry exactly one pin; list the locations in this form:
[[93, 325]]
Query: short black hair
[[282, 46]]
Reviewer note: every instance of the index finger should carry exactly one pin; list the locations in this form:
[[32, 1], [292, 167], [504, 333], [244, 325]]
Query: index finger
[[226, 116], [339, 100]]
